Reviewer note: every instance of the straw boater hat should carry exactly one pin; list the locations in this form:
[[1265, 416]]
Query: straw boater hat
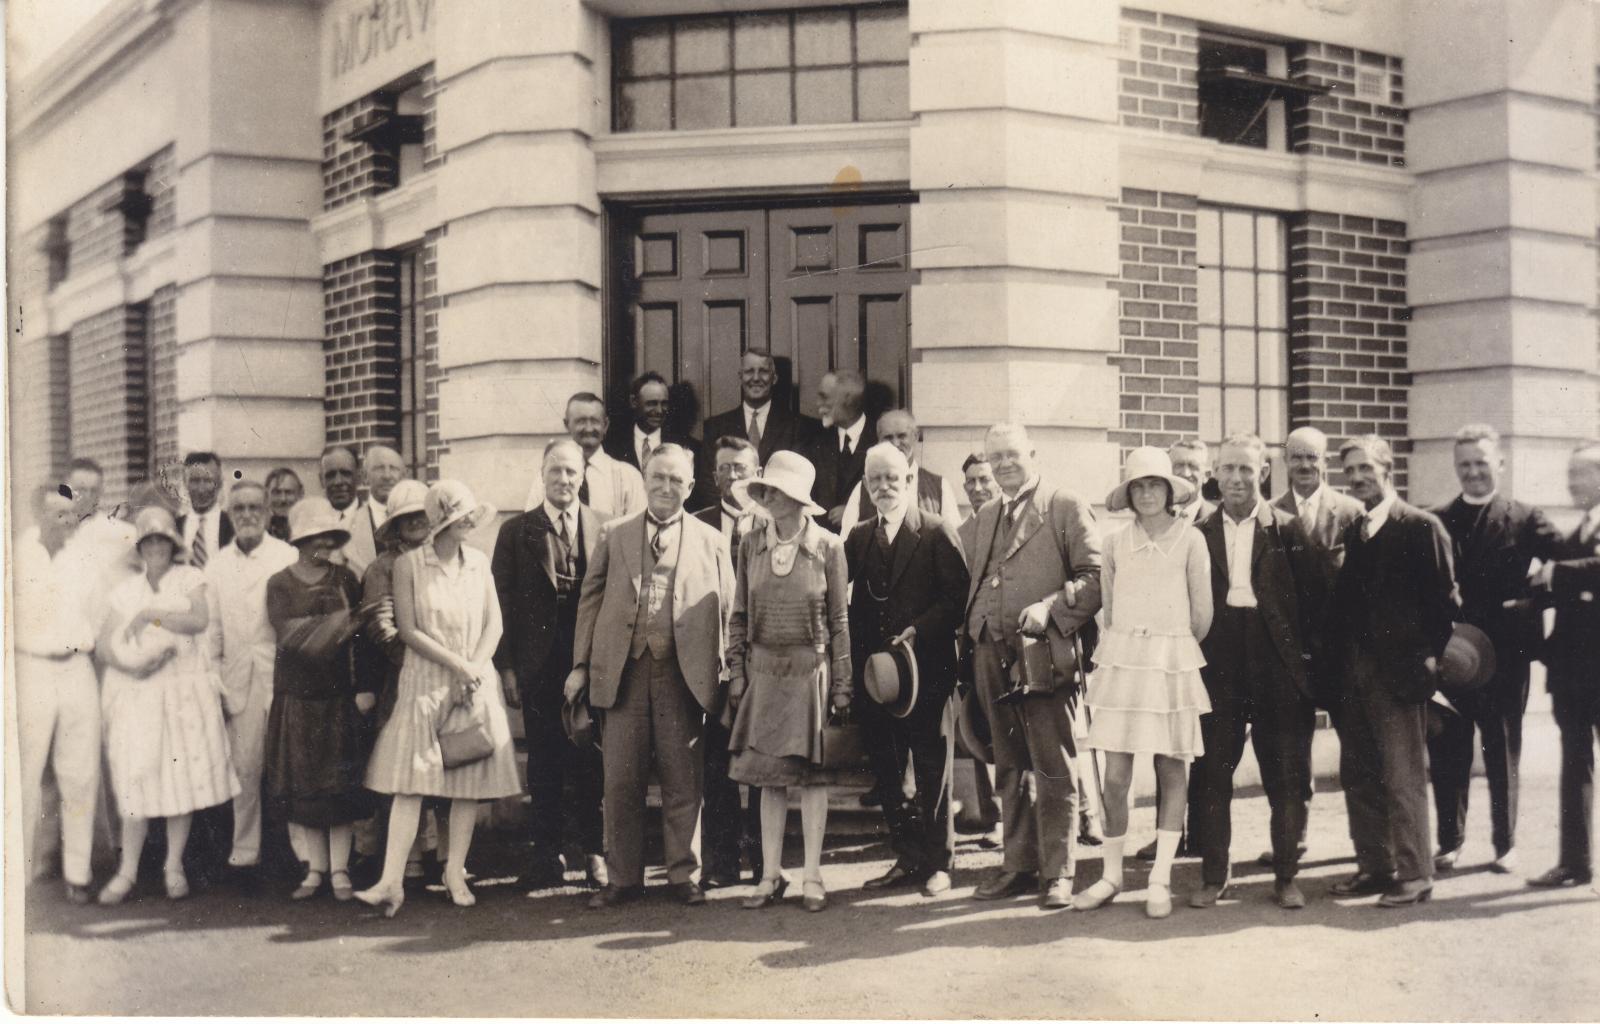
[[407, 497], [788, 473], [1147, 462], [315, 517], [450, 501], [156, 521], [890, 678]]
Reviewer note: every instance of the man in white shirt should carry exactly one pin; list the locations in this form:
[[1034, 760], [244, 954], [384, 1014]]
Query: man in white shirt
[[244, 647], [58, 698], [612, 489], [383, 468], [929, 491], [206, 528], [1191, 461], [339, 478], [760, 419], [1322, 511]]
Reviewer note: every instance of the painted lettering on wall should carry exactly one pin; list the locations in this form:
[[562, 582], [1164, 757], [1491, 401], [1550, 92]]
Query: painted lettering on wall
[[375, 28]]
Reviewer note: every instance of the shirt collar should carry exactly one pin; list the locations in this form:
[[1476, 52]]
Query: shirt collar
[[555, 514], [731, 512], [760, 410], [650, 517], [1254, 513], [892, 521], [1023, 493], [639, 437], [1486, 499], [1379, 513], [1142, 540], [1314, 499], [853, 431]]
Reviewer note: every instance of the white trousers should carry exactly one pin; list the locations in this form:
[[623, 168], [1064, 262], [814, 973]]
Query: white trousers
[[58, 724], [247, 737]]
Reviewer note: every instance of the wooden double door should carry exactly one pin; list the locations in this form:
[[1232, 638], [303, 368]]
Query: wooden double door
[[822, 286]]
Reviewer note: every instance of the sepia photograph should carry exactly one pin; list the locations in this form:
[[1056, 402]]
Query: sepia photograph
[[802, 509]]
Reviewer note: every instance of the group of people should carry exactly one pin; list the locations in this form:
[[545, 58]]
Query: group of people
[[723, 617]]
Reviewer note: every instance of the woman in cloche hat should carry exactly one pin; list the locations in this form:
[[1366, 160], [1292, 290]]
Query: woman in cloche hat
[[1146, 695], [448, 617], [316, 751], [166, 743], [788, 656]]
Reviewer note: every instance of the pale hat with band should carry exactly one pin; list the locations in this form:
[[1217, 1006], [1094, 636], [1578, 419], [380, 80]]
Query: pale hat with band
[[156, 521], [890, 678], [450, 501], [315, 517], [1141, 464], [408, 497], [790, 474]]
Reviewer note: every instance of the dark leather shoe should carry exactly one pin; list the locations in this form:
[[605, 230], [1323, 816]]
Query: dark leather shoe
[[1207, 895], [542, 875], [1006, 884], [1445, 860], [79, 894], [1559, 877], [897, 875], [688, 894], [1404, 894], [1288, 895], [612, 895], [936, 883], [719, 880], [1362, 883]]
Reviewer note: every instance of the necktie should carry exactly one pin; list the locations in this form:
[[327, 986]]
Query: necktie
[[1305, 511], [656, 545], [844, 444], [583, 488], [197, 550], [881, 535], [644, 453], [754, 433]]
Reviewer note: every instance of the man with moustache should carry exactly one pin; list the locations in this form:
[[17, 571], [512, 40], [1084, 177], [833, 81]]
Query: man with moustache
[[1391, 614], [1262, 580], [1494, 540], [909, 579], [758, 419], [728, 828], [841, 449], [283, 490], [651, 629], [929, 491], [539, 561], [1572, 653], [613, 489], [244, 645]]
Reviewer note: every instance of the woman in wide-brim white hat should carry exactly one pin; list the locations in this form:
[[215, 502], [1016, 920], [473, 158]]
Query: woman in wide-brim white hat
[[788, 659], [1146, 693], [448, 617]]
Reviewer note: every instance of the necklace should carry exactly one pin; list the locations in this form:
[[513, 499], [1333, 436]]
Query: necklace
[[785, 550]]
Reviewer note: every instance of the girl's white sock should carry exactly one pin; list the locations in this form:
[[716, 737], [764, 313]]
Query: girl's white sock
[[1166, 850], [1111, 852]]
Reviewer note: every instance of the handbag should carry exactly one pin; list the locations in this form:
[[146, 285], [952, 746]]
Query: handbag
[[463, 743]]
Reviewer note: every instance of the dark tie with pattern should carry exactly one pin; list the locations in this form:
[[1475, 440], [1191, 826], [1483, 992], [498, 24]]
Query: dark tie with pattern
[[583, 488], [197, 550]]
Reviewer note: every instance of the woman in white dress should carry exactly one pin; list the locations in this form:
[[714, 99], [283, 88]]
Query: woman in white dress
[[449, 620], [166, 743]]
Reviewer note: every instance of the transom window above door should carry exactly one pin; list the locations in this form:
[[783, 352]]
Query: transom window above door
[[829, 65]]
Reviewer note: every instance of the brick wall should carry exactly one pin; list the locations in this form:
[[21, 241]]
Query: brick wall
[[361, 350], [1347, 318], [95, 234], [161, 332], [355, 170], [161, 178], [431, 304], [1158, 357], [1362, 119], [40, 417], [430, 116], [1156, 75], [109, 420]]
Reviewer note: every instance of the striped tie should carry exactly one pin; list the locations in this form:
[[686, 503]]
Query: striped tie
[[197, 550]]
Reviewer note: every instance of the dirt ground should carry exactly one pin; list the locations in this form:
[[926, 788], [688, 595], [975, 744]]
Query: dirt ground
[[1486, 948]]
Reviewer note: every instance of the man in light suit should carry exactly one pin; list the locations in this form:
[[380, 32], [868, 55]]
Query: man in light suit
[[538, 565], [1035, 571], [1391, 614], [1255, 671], [612, 489], [652, 621], [759, 419]]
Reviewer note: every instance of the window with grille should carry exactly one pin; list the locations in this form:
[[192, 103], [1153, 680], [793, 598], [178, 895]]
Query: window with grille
[[1243, 324], [413, 367], [824, 66]]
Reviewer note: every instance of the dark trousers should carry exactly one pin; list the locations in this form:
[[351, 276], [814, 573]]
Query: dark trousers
[[1577, 715], [564, 780], [1251, 693], [728, 826], [919, 828], [1383, 768], [1031, 736], [655, 722], [1495, 713]]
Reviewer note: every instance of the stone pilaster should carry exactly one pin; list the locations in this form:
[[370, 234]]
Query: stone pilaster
[[1502, 280], [1016, 164]]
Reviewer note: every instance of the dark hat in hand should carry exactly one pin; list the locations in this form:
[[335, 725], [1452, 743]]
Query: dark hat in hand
[[890, 678], [1469, 660], [972, 726], [578, 721]]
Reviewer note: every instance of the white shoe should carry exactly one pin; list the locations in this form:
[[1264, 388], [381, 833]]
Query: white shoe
[[1158, 901], [1103, 891]]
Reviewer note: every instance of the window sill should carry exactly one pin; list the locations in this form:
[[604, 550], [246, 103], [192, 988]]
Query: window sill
[[388, 220]]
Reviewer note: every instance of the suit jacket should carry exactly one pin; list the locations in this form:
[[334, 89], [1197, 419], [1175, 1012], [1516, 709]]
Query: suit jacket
[[702, 597], [1396, 594], [1335, 512], [785, 431], [1492, 568], [1572, 653], [224, 532], [1053, 556], [525, 582], [619, 444], [837, 474], [1282, 571], [927, 581]]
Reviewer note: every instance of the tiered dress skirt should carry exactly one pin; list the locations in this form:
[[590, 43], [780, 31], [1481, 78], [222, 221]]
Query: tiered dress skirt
[[1146, 695]]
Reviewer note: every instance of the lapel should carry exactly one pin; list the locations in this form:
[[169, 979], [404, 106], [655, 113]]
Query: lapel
[[1266, 533], [1496, 524], [1028, 522], [1384, 539], [987, 532], [630, 535], [1327, 526], [905, 544], [541, 535], [1217, 547]]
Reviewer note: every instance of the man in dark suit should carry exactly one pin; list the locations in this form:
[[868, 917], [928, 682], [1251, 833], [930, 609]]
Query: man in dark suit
[[647, 427], [909, 581], [206, 527], [728, 828], [766, 424], [652, 625], [1572, 654], [1390, 616], [1494, 539], [1255, 671], [539, 561], [840, 452]]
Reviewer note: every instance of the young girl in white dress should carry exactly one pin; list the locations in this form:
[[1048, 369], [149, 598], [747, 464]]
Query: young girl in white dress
[[1146, 695]]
